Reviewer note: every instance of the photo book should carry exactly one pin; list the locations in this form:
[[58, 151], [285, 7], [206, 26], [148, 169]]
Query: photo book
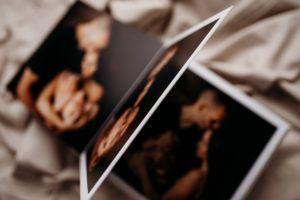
[[141, 114]]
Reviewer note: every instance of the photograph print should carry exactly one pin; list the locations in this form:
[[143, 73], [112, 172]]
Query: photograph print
[[77, 77], [199, 144]]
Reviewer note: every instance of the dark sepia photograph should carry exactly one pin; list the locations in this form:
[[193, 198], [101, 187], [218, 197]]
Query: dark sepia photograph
[[199, 144], [79, 74]]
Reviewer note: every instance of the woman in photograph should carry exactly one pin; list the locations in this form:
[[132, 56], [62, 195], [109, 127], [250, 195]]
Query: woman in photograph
[[69, 100]]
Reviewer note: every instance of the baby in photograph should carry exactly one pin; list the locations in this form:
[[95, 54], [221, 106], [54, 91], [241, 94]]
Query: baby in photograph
[[70, 100], [158, 163]]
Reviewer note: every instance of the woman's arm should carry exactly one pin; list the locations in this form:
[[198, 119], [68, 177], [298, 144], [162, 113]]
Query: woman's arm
[[24, 86]]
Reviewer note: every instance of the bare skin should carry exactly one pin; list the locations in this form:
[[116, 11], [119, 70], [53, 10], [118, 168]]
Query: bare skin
[[187, 185], [108, 139], [195, 179], [92, 36], [89, 63], [65, 87], [163, 62], [206, 112], [183, 188], [45, 109], [69, 101], [156, 150], [28, 79], [93, 90], [144, 92]]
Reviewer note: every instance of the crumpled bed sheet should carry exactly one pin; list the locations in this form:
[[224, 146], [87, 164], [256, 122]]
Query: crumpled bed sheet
[[256, 48]]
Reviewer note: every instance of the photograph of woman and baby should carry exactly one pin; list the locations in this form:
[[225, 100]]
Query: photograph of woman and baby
[[76, 78]]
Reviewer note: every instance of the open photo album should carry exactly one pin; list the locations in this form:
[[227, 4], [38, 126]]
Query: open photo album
[[141, 114]]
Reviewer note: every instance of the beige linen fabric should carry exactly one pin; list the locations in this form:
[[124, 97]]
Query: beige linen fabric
[[256, 48]]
